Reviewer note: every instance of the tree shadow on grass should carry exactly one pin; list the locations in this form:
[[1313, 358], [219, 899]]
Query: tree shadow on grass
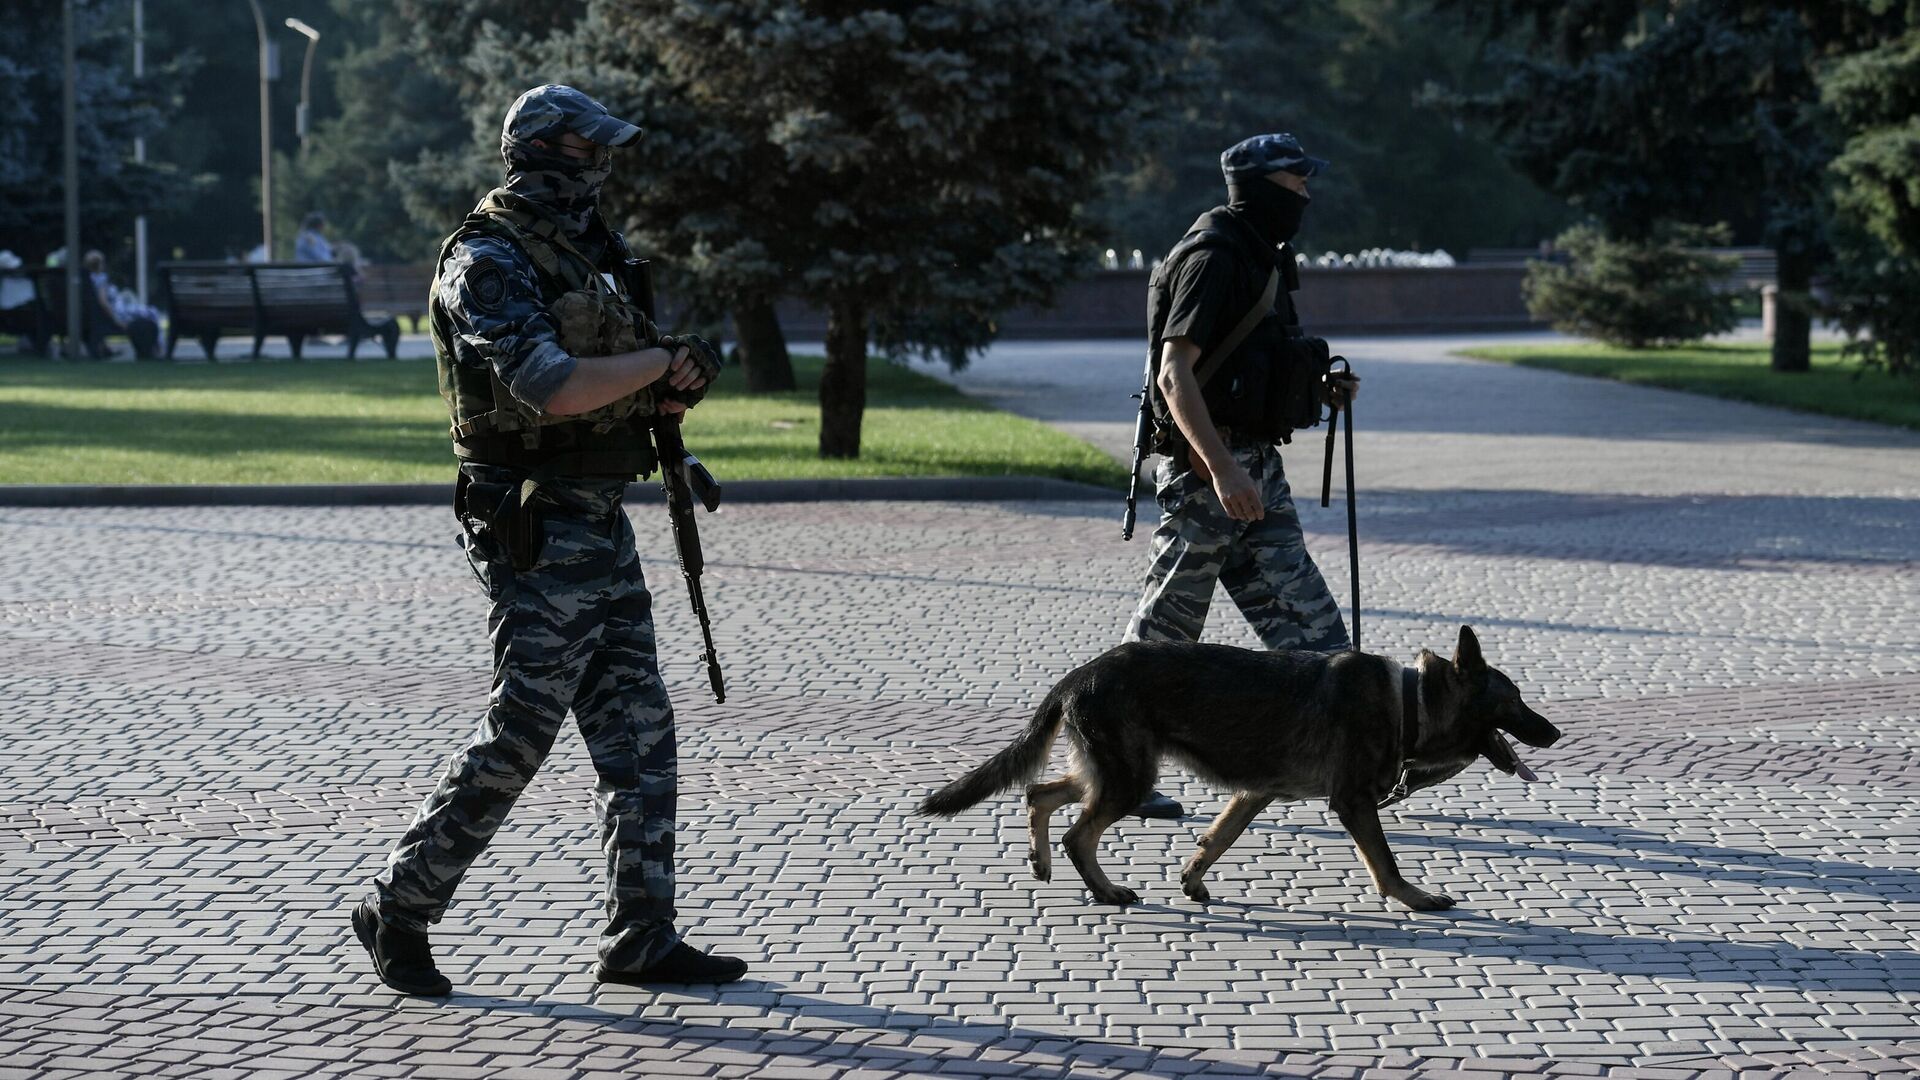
[[328, 375], [209, 434]]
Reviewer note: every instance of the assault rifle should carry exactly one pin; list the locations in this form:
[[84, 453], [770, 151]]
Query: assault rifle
[[682, 476]]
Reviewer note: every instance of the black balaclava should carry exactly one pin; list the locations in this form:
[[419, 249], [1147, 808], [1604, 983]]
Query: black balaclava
[[568, 188], [1273, 211]]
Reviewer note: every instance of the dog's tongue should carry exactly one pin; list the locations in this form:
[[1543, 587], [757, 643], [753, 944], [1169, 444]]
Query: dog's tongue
[[1519, 767]]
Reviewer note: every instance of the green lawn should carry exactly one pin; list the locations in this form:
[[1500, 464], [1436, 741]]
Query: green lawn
[[332, 421], [1833, 387]]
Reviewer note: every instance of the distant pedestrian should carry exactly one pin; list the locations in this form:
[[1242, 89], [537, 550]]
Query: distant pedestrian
[[123, 309], [347, 254], [310, 243]]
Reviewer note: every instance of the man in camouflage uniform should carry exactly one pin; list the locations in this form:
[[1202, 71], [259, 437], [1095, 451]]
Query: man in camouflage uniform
[[553, 377], [1226, 514]]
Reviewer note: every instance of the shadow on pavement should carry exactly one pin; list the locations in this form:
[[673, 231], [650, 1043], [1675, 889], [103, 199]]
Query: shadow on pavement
[[1074, 1051], [1640, 850]]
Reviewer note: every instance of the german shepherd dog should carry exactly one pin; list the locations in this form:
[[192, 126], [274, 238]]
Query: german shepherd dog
[[1355, 729]]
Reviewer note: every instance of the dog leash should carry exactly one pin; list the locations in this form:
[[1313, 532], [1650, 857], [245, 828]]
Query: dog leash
[[1326, 493], [1409, 679]]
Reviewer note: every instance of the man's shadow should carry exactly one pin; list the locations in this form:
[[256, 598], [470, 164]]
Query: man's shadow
[[914, 1051], [924, 1042]]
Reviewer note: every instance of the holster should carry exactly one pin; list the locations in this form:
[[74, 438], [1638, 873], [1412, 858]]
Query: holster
[[498, 526]]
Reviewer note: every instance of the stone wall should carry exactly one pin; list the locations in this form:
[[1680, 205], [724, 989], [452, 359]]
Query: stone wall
[[1374, 300]]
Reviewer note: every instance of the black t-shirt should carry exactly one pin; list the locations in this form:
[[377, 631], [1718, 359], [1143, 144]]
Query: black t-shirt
[[1210, 291]]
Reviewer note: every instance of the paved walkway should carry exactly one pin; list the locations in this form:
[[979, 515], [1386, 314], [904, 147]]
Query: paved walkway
[[216, 721]]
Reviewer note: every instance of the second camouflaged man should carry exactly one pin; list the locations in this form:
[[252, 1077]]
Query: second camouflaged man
[[553, 378], [1221, 306]]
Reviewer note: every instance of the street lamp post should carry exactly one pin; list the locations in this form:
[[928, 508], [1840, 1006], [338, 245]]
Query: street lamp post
[[139, 154], [306, 80], [71, 162], [266, 134]]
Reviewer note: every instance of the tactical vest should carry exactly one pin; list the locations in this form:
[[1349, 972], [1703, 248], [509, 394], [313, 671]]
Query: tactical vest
[[492, 427], [1237, 394]]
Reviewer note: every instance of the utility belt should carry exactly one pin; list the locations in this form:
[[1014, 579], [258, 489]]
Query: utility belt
[[500, 508], [509, 451]]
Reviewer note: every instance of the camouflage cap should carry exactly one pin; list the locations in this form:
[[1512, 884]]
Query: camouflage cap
[[546, 111], [1264, 154]]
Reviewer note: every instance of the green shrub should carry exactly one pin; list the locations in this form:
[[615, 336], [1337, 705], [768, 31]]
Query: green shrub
[[1874, 295], [1660, 291]]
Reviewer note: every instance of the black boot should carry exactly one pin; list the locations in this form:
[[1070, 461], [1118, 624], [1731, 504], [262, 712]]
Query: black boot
[[685, 964], [401, 957]]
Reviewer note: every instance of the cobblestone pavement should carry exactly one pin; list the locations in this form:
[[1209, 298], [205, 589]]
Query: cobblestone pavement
[[217, 720]]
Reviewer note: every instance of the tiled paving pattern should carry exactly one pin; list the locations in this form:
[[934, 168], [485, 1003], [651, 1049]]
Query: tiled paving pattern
[[215, 721]]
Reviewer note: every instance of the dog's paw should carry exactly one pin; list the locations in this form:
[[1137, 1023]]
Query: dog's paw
[[1421, 900], [1116, 894], [1042, 865], [1196, 891]]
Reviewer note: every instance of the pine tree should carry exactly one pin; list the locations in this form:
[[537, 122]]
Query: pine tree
[[1874, 95], [1638, 112], [1351, 78], [113, 109]]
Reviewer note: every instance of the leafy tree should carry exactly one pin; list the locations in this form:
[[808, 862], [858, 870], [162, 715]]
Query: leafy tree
[[1875, 95], [113, 109], [912, 168], [391, 107], [1639, 111], [1659, 291], [1351, 79]]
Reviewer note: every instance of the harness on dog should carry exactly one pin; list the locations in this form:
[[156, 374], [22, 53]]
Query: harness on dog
[[1409, 732]]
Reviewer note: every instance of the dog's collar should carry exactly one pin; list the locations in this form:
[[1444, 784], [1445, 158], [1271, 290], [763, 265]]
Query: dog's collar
[[1409, 730]]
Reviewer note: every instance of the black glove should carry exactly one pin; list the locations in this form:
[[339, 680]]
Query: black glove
[[704, 356]]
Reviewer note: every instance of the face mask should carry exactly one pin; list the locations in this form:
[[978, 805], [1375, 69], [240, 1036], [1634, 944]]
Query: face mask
[[567, 187], [1273, 210]]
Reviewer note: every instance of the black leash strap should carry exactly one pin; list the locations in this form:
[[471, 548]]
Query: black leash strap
[[1334, 417], [1353, 531]]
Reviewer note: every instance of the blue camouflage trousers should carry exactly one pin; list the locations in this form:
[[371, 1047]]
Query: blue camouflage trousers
[[1263, 564], [574, 631]]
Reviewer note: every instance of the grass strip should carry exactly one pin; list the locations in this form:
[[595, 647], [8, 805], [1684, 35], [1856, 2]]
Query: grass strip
[[1834, 387], [332, 421]]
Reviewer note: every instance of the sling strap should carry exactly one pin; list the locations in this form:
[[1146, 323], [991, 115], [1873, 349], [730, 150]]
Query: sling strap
[[1205, 369]]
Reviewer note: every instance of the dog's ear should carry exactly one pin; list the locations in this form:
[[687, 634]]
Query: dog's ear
[[1466, 655]]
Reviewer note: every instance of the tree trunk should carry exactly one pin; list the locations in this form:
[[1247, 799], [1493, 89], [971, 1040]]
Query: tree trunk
[[763, 348], [1793, 314], [843, 383]]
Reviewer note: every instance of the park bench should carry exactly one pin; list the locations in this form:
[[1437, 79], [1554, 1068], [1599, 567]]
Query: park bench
[[205, 300], [397, 289], [44, 317]]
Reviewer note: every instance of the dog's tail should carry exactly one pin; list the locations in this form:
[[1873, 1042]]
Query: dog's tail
[[1017, 764]]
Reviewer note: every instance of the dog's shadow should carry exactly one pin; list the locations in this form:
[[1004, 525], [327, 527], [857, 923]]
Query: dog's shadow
[[1638, 849], [1463, 931]]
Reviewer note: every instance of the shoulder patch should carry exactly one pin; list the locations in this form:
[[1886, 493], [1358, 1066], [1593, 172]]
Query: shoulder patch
[[486, 283]]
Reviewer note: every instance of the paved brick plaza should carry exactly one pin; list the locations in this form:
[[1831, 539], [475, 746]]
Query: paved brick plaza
[[216, 720]]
